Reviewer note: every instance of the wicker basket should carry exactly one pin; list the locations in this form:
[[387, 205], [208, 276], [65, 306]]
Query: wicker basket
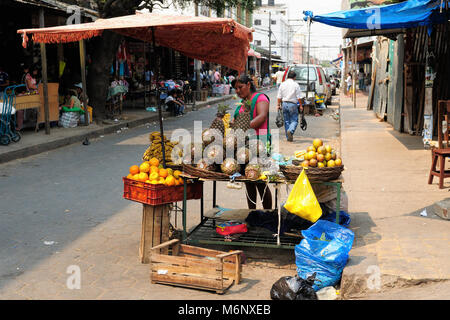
[[314, 174], [175, 167], [204, 174]]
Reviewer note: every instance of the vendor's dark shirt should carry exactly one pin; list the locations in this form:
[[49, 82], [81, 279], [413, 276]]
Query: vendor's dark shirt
[[3, 78]]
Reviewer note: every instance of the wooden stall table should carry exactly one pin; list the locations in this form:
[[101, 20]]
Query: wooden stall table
[[36, 101], [204, 232]]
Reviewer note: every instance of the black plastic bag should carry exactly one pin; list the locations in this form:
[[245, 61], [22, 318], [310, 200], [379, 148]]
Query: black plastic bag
[[280, 119], [294, 288]]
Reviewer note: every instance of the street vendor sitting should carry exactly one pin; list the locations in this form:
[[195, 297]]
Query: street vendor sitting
[[174, 106], [71, 110]]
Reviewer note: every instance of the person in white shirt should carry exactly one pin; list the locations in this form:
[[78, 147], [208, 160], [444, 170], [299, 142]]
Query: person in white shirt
[[290, 99], [279, 75], [349, 83]]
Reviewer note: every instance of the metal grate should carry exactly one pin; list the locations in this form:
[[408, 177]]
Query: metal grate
[[206, 233]]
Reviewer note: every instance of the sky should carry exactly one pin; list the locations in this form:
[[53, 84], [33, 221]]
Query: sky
[[322, 35]]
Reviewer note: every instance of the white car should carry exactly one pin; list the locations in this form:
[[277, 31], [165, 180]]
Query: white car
[[318, 81]]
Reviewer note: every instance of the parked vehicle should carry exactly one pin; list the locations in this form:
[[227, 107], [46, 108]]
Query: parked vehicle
[[318, 82], [334, 73], [333, 84]]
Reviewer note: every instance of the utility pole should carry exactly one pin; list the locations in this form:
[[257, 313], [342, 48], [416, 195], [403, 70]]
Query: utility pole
[[197, 73], [270, 44]]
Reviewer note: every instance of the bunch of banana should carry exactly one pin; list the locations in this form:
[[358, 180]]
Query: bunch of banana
[[226, 122], [155, 149]]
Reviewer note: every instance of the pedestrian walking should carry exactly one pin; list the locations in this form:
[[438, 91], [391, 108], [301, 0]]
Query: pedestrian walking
[[348, 81], [279, 75], [290, 100], [361, 79]]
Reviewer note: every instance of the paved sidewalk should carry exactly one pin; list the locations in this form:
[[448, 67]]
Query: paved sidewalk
[[386, 182], [33, 143]]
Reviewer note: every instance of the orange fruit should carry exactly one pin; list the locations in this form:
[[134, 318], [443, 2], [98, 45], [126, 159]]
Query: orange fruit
[[154, 162], [170, 171], [331, 164], [154, 169], [328, 156], [143, 176], [130, 176], [170, 181], [136, 177], [176, 174], [144, 167], [161, 181], [312, 155], [317, 143], [148, 181], [338, 161], [180, 180], [163, 173], [134, 170], [154, 176]]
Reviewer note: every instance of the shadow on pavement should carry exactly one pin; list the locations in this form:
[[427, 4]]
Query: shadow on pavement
[[410, 142], [362, 225]]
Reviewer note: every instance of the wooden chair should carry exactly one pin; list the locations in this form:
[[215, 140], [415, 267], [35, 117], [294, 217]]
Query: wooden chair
[[441, 153]]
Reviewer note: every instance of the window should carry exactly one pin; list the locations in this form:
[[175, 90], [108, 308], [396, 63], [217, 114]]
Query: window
[[258, 3], [302, 73], [258, 42], [271, 2], [257, 22], [273, 21]]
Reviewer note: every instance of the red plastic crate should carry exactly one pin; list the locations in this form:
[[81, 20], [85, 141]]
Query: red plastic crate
[[156, 194]]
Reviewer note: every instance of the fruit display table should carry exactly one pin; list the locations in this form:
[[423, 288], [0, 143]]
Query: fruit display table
[[205, 231]]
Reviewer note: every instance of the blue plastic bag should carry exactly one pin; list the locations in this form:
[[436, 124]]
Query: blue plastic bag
[[323, 250]]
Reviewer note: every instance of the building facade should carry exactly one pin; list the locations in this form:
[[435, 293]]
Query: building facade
[[272, 15]]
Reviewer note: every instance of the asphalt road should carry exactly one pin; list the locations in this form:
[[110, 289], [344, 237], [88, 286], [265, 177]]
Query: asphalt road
[[52, 199]]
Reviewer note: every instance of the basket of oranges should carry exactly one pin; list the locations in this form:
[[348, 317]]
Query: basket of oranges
[[152, 184]]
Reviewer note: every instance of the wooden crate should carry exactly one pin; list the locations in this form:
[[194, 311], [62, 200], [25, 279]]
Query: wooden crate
[[155, 229], [195, 267]]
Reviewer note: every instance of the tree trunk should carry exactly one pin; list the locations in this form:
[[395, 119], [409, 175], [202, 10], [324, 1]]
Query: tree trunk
[[103, 51]]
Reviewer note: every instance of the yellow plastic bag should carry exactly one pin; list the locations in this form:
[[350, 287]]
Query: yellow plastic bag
[[302, 201]]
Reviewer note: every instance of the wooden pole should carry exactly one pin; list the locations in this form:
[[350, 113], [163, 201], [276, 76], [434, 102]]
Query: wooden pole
[[354, 73], [83, 80], [44, 75], [161, 126]]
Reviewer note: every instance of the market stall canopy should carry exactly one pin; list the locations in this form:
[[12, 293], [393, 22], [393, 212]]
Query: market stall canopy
[[216, 40], [386, 19], [253, 53]]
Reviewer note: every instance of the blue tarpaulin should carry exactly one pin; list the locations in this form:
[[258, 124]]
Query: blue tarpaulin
[[408, 14]]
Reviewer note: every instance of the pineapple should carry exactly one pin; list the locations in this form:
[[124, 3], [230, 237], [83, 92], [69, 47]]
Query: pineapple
[[218, 122], [242, 122]]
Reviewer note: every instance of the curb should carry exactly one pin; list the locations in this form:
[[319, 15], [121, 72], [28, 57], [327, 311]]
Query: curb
[[108, 129], [48, 146]]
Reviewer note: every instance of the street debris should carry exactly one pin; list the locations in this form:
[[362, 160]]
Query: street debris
[[424, 213], [294, 288], [328, 293], [49, 243]]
